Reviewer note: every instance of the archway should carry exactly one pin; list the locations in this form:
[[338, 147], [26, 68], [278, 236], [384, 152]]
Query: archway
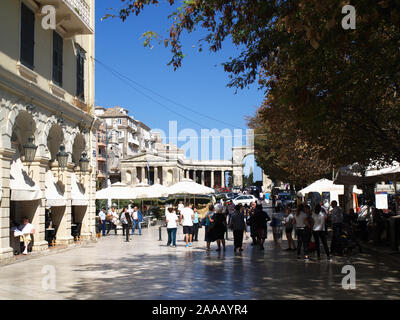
[[54, 139], [25, 195], [77, 148], [252, 173]]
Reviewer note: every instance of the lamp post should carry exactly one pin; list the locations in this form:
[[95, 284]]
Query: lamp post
[[62, 157], [84, 162], [30, 150]]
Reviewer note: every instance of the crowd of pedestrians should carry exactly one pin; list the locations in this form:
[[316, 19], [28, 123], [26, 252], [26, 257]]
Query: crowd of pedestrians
[[130, 217], [309, 227]]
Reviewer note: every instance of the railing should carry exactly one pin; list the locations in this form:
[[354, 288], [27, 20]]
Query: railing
[[81, 8]]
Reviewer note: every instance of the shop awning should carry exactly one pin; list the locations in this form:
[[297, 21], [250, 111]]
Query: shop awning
[[54, 196], [78, 196], [23, 188]]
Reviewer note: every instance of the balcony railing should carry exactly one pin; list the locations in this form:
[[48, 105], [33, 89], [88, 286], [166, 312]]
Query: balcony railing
[[74, 15], [81, 8]]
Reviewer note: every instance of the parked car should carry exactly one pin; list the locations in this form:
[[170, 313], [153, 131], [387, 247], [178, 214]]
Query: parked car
[[284, 199], [231, 195], [244, 199]]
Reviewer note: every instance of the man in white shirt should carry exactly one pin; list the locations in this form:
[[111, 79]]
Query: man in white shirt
[[26, 229], [180, 206], [187, 217], [102, 216]]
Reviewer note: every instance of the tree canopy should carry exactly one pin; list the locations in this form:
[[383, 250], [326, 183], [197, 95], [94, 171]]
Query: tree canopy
[[332, 95]]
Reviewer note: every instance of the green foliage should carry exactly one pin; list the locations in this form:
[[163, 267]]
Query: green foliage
[[332, 95]]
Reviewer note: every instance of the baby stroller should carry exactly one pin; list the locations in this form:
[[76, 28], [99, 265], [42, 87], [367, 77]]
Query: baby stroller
[[347, 241]]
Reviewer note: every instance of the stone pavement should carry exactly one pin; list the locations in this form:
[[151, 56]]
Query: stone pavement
[[146, 269]]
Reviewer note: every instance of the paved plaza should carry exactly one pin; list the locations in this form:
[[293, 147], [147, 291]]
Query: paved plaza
[[146, 268]]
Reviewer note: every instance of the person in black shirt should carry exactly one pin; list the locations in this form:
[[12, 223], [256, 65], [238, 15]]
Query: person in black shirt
[[238, 226], [260, 223]]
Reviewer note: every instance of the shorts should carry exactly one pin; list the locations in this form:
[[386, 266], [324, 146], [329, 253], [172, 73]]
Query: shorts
[[289, 230], [187, 229]]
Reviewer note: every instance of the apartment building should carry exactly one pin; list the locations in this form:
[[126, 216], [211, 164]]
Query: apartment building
[[48, 126]]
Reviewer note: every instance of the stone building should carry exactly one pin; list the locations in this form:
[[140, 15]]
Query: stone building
[[167, 165], [46, 105], [126, 137]]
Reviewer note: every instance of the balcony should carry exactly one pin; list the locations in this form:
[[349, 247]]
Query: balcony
[[73, 15]]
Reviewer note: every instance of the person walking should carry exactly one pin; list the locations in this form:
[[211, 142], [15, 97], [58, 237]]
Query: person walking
[[276, 224], [220, 226], [238, 227], [195, 225], [126, 221], [319, 231], [172, 225], [337, 224], [187, 217], [251, 213], [260, 223], [137, 217], [112, 218], [207, 226], [102, 218], [300, 222], [288, 223]]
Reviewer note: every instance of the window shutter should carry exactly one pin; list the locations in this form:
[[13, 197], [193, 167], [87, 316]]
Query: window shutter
[[27, 36], [58, 47], [80, 73]]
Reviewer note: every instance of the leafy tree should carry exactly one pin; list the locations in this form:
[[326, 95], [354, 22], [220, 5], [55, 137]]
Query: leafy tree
[[338, 89]]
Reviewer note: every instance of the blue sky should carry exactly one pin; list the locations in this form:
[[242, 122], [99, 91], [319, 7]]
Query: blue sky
[[200, 84]]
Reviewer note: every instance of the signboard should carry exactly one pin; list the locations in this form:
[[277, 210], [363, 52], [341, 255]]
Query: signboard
[[381, 201]]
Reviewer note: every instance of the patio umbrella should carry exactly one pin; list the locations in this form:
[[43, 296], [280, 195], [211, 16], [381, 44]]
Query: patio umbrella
[[189, 187], [352, 174], [118, 191], [325, 185]]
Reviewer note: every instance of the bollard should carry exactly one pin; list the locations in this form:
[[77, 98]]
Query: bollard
[[159, 233]]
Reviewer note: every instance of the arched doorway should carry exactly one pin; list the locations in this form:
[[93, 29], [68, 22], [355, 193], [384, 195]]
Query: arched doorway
[[25, 193]]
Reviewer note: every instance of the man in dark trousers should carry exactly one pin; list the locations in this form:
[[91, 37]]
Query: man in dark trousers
[[238, 226], [252, 223], [260, 222]]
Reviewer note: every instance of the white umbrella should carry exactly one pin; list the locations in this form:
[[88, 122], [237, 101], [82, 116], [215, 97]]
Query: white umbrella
[[325, 185], [144, 191], [117, 190], [352, 174], [188, 186]]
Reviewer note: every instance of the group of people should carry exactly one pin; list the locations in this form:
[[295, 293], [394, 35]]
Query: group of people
[[310, 225], [187, 216], [130, 217], [25, 232]]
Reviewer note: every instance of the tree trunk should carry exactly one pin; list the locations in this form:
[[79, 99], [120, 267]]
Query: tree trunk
[[348, 197]]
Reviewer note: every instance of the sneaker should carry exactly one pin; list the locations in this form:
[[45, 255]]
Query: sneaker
[[329, 259], [187, 246], [174, 246], [190, 244]]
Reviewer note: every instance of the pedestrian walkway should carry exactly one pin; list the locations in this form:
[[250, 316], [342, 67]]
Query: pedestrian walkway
[[146, 268]]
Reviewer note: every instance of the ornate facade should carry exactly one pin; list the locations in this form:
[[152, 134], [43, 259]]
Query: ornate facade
[[46, 93]]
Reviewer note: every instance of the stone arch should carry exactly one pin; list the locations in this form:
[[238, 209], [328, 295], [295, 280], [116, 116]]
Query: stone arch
[[128, 176], [11, 117], [238, 155], [24, 126], [55, 138], [78, 146]]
